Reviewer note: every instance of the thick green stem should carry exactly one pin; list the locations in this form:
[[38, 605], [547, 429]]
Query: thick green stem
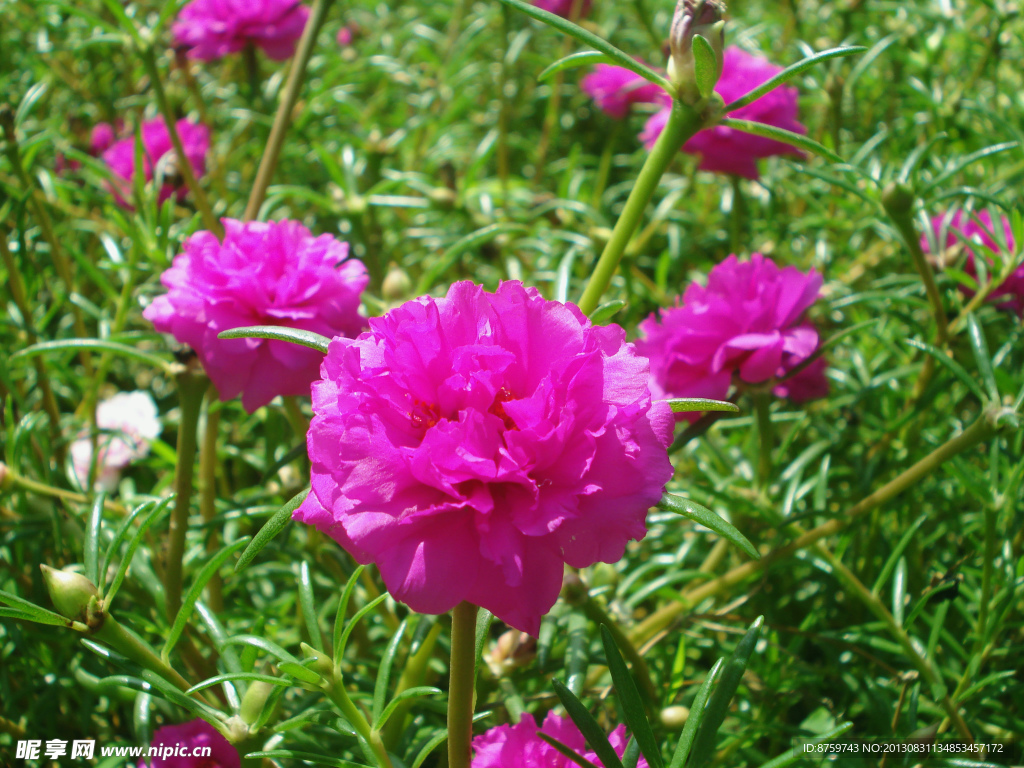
[[184, 166], [208, 493], [337, 693], [283, 118], [682, 123], [191, 387], [981, 430], [113, 634], [461, 685], [898, 202]]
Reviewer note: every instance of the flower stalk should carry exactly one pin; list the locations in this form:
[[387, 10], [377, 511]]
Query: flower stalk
[[461, 687], [283, 118], [208, 493], [683, 122], [191, 387]]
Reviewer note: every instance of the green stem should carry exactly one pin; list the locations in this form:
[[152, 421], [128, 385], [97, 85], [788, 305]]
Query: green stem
[[898, 202], [413, 675], [336, 692], [766, 436], [208, 493], [683, 122], [980, 431], [737, 216], [461, 686], [184, 166], [127, 644], [283, 118], [604, 167], [252, 71], [191, 387], [13, 479]]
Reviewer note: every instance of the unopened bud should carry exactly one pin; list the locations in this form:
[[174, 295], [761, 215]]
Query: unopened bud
[[694, 75], [70, 592], [513, 649], [574, 591], [323, 665], [674, 717], [396, 286], [898, 198], [254, 700]]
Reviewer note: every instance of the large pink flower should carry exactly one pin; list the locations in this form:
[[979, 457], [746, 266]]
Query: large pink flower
[[519, 746], [616, 89], [563, 7], [195, 744], [211, 29], [726, 150], [749, 320], [470, 446], [1010, 293], [158, 151], [264, 273]]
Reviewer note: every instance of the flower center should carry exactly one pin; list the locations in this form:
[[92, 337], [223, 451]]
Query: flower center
[[424, 415], [501, 397]]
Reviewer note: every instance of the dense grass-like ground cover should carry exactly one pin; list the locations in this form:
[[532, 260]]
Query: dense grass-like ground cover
[[888, 515]]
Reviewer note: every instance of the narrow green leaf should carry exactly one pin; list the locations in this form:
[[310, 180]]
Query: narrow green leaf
[[629, 698], [339, 617], [387, 661], [588, 726], [127, 25], [119, 536], [950, 363], [170, 692], [963, 162], [581, 59], [250, 676], [798, 753], [133, 545], [699, 514], [343, 641], [262, 644], [982, 357], [700, 404], [309, 607], [790, 72], [270, 529], [204, 576], [408, 693], [588, 38], [718, 706], [705, 66], [279, 333], [566, 750], [897, 553], [429, 747], [90, 551], [300, 672], [52, 619], [309, 757], [99, 345], [779, 134]]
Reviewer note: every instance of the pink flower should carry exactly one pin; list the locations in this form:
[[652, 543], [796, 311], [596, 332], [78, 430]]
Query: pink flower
[[616, 89], [470, 446], [563, 8], [345, 36], [264, 273], [519, 746], [101, 138], [809, 384], [128, 422], [748, 320], [210, 29], [1010, 294], [726, 150], [158, 151], [195, 744]]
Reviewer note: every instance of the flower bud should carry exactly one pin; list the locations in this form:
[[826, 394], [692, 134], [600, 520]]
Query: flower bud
[[396, 286], [695, 17], [70, 592], [674, 717], [254, 700]]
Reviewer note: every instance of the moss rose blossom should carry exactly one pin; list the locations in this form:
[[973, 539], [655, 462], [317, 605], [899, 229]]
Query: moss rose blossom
[[749, 321], [1008, 295], [564, 8], [211, 29], [615, 89], [263, 273], [519, 746], [726, 150], [186, 739], [158, 151], [470, 446], [128, 423]]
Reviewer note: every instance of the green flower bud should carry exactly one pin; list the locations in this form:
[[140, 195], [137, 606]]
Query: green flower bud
[[70, 592], [675, 717], [254, 700], [396, 286], [687, 74]]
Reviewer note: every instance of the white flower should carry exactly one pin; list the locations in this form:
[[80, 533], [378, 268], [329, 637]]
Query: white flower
[[127, 422]]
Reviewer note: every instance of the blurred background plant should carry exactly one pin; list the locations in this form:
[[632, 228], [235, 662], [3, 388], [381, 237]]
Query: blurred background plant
[[888, 515]]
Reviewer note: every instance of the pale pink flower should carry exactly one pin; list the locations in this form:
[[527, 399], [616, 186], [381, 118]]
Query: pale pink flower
[[127, 423], [473, 445]]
